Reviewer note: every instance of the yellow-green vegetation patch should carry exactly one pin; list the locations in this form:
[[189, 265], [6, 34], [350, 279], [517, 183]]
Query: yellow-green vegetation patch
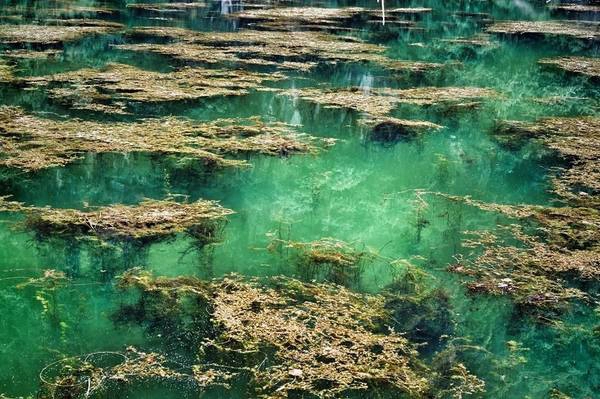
[[579, 65], [31, 143], [575, 139], [148, 221], [113, 87], [387, 129], [285, 17], [30, 54], [535, 261], [589, 31], [575, 8], [380, 102], [6, 72], [166, 7], [319, 339], [288, 50], [477, 41], [55, 33]]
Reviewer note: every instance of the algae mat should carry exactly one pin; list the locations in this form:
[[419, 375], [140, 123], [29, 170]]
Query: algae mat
[[251, 199]]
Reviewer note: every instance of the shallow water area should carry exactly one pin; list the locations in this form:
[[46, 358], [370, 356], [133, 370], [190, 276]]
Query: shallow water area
[[366, 182]]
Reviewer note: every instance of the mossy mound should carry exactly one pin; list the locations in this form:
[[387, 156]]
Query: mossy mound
[[300, 50], [577, 65], [294, 338], [148, 221], [33, 143], [113, 87], [586, 31], [60, 32]]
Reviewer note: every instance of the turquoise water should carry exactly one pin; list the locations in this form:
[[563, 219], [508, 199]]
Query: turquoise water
[[358, 191]]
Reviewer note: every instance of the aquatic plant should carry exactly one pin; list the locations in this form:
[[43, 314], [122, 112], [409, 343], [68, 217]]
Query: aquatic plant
[[298, 50], [587, 31], [6, 72], [573, 139], [578, 65], [390, 130], [33, 143], [113, 87], [292, 337], [61, 32], [148, 221], [166, 8]]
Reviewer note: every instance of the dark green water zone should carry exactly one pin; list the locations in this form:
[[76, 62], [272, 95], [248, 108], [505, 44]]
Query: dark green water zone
[[382, 191]]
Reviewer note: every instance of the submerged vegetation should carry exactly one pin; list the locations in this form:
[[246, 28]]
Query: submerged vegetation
[[294, 338], [32, 143], [162, 236]]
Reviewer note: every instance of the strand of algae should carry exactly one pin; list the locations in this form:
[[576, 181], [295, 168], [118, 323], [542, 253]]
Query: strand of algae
[[151, 220], [32, 143], [111, 88], [292, 337]]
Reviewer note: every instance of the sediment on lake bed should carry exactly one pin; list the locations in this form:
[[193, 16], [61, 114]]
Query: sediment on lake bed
[[113, 87], [32, 143]]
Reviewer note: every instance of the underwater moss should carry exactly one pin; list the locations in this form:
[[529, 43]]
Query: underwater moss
[[162, 8], [537, 260], [578, 65], [30, 54], [587, 31], [573, 8], [377, 104], [296, 338], [150, 220], [111, 88], [54, 34], [285, 17], [32, 143], [301, 50], [576, 140], [6, 72], [388, 130]]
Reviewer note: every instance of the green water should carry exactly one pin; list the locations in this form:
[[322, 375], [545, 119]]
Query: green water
[[357, 191]]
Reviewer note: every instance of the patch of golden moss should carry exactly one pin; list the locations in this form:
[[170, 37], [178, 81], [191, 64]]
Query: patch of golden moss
[[6, 72], [29, 54], [537, 260], [386, 129], [575, 8], [589, 31], [31, 143], [161, 8], [576, 140], [378, 103], [148, 221], [579, 65], [300, 50], [53, 34], [317, 339], [111, 88], [285, 17]]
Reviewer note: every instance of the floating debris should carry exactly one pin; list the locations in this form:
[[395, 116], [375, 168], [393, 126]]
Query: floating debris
[[576, 140], [32, 143], [113, 87], [288, 50], [148, 221], [54, 34], [588, 31], [318, 339], [578, 65]]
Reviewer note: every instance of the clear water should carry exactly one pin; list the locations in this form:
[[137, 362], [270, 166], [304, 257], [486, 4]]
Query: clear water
[[356, 191]]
